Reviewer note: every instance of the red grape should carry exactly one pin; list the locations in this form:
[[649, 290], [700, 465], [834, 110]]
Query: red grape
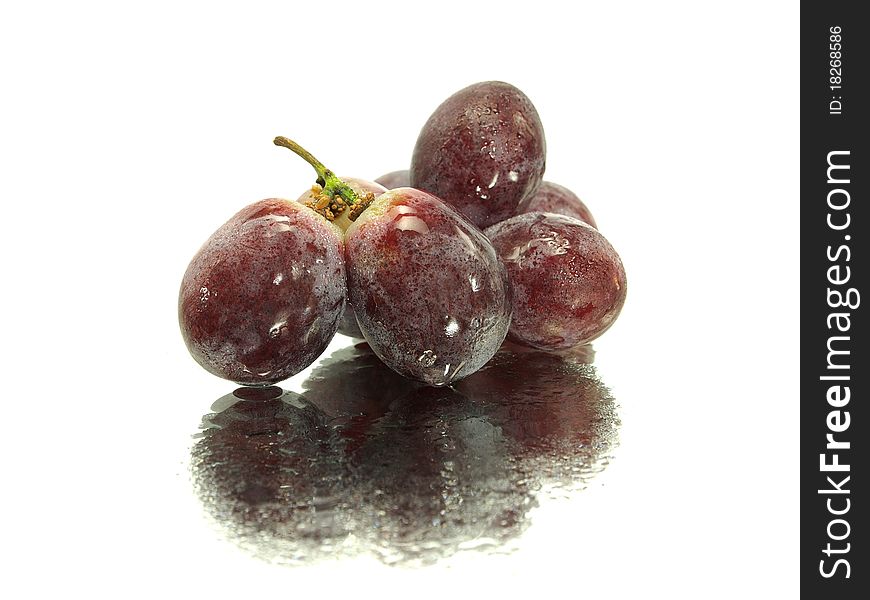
[[482, 150], [395, 179], [262, 298], [568, 282], [431, 297], [553, 198]]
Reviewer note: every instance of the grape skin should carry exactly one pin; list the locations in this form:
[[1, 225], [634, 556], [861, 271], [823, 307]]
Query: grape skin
[[395, 179], [262, 298], [568, 282], [554, 198], [431, 297], [482, 150]]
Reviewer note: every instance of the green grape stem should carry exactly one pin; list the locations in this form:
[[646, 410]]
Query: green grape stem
[[331, 184]]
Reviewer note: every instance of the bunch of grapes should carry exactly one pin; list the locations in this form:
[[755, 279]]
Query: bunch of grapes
[[434, 266]]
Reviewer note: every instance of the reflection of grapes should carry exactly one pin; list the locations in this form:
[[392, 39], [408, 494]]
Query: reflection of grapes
[[431, 296], [582, 354], [482, 150], [543, 401], [407, 473], [554, 198], [363, 392], [256, 470], [395, 179], [568, 282], [263, 297]]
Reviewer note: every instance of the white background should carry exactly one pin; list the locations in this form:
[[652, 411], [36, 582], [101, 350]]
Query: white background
[[129, 132]]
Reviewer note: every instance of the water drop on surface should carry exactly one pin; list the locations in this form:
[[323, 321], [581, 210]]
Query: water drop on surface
[[452, 327], [412, 223], [428, 358]]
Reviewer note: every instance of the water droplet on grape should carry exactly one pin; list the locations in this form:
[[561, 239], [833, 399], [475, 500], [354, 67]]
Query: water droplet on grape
[[278, 279], [279, 223], [469, 243], [452, 327], [428, 358], [412, 223], [456, 371], [313, 330], [515, 255], [397, 211], [494, 179], [557, 243], [513, 176]]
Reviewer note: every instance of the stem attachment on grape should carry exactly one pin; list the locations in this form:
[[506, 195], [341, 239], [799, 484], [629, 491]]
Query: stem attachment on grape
[[334, 195]]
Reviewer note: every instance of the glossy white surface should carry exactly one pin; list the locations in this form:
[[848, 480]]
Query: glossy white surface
[[129, 133]]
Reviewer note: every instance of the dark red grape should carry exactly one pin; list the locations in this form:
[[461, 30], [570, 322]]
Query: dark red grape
[[568, 282], [553, 198], [431, 297], [482, 150], [263, 297], [395, 179]]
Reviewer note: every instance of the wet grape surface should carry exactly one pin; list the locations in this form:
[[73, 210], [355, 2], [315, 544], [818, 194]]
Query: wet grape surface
[[395, 179], [554, 198], [367, 462], [568, 283], [482, 150], [430, 295], [262, 298]]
